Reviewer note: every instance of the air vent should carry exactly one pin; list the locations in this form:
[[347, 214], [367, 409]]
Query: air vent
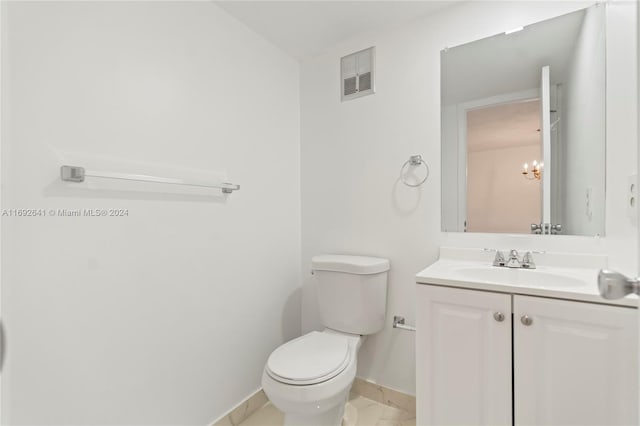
[[364, 81], [357, 74], [350, 86]]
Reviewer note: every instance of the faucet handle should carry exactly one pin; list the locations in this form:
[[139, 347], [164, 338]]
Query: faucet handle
[[527, 261], [499, 260]]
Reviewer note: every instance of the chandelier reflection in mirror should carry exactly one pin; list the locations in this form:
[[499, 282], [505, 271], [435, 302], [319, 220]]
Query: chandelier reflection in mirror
[[536, 170]]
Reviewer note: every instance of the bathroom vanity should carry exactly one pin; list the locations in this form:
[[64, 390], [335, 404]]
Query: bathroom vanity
[[504, 346]]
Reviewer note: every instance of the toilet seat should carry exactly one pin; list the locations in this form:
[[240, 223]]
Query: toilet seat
[[313, 358]]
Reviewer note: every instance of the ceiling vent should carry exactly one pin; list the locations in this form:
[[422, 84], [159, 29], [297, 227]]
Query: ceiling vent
[[357, 74]]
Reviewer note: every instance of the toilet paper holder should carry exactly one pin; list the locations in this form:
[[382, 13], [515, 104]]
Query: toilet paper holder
[[399, 322]]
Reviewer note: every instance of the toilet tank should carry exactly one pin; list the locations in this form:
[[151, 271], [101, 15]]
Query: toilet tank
[[352, 292]]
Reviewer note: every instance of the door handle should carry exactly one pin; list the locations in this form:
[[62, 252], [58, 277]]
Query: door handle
[[614, 285]]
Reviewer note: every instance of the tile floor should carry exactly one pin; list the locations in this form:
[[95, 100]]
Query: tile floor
[[360, 411]]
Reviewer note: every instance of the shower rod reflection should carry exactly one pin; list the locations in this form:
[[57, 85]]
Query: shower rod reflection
[[78, 174]]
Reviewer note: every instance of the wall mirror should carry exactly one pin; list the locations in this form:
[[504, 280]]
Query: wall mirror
[[523, 129]]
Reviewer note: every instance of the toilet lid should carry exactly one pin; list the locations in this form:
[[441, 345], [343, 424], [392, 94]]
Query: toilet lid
[[312, 358]]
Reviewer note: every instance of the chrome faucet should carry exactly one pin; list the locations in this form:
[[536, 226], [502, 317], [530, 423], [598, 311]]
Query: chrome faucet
[[514, 260], [527, 261]]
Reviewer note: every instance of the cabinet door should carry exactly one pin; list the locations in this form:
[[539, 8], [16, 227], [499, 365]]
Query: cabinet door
[[463, 357], [575, 363]]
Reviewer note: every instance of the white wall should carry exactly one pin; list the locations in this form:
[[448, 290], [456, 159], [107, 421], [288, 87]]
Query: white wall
[[352, 201], [583, 125], [168, 315]]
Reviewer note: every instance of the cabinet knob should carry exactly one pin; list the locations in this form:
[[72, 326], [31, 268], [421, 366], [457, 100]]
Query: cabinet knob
[[526, 320], [498, 316]]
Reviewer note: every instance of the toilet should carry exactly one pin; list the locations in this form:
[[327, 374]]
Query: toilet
[[309, 378]]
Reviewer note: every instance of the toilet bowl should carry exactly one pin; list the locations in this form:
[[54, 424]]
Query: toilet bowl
[[309, 378]]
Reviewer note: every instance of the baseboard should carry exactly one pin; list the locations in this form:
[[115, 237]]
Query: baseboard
[[243, 410], [384, 395]]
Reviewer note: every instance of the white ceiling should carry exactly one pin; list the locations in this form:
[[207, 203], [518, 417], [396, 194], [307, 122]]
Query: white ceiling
[[508, 125], [308, 28]]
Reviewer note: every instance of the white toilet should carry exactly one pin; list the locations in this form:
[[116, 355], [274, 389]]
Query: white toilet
[[309, 378]]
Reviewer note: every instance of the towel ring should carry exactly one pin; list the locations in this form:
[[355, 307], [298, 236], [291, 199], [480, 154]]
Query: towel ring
[[414, 160]]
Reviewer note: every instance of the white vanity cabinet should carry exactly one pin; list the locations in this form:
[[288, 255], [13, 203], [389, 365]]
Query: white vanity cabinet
[[575, 363], [463, 362], [489, 358]]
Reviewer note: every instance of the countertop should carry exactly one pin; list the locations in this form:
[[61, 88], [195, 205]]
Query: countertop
[[472, 269]]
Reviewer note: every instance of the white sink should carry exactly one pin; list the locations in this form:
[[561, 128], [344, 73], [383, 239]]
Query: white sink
[[517, 276], [558, 275]]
